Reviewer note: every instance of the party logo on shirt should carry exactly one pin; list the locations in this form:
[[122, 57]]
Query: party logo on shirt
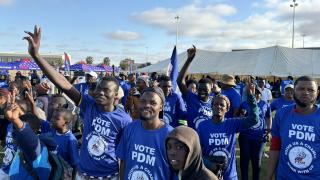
[[8, 156], [140, 173], [96, 146], [300, 156], [198, 120]]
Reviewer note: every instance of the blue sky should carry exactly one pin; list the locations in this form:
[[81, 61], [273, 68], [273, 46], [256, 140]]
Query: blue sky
[[145, 29]]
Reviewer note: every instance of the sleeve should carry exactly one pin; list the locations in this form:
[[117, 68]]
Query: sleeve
[[85, 101], [273, 105], [253, 114], [28, 142], [268, 112], [73, 147], [121, 148], [180, 108], [275, 128], [269, 95]]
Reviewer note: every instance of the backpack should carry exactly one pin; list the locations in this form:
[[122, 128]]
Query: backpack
[[58, 166]]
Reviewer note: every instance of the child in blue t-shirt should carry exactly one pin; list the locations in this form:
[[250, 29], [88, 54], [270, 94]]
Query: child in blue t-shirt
[[65, 140]]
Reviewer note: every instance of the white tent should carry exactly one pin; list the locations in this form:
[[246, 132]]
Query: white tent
[[270, 61]]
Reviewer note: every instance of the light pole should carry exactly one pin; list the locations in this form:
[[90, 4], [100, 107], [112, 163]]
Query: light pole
[[147, 54], [293, 14], [177, 22], [303, 35]]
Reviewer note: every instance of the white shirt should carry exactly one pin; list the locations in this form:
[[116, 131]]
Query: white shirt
[[266, 95]]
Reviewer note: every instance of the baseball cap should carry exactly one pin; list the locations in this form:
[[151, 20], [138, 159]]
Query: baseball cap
[[93, 74], [289, 86]]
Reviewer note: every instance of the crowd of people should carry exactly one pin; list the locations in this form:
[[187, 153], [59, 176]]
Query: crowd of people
[[138, 128]]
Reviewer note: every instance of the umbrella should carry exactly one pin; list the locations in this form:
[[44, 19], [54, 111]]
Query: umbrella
[[24, 64]]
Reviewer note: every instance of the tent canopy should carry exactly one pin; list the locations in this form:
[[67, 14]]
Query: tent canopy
[[270, 61]]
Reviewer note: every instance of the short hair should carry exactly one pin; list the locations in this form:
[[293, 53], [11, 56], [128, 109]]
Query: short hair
[[290, 77], [67, 114], [111, 79], [223, 97], [191, 81], [205, 81], [164, 78], [61, 96], [305, 78]]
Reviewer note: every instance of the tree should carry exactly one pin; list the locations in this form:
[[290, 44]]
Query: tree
[[89, 60], [106, 61]]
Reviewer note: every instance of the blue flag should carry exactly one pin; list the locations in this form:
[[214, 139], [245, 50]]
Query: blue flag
[[173, 69], [67, 63]]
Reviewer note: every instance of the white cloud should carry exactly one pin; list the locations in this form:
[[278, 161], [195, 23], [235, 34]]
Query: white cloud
[[5, 2], [124, 35], [212, 26]]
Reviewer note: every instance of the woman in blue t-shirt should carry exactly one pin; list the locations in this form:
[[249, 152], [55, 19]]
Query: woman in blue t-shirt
[[218, 134], [252, 140]]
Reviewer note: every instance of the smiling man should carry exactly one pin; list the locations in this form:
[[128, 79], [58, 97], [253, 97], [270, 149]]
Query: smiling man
[[103, 121], [198, 105], [142, 145]]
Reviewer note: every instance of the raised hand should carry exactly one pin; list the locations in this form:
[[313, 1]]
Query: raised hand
[[29, 97], [34, 41], [251, 89], [191, 52]]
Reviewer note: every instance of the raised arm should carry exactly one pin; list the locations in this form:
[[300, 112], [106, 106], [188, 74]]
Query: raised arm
[[183, 72], [253, 114], [56, 78]]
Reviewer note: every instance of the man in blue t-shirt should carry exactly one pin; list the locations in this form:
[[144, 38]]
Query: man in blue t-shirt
[[283, 84], [198, 105], [227, 89], [174, 107], [142, 146], [295, 143], [84, 88], [103, 121], [218, 134], [285, 100]]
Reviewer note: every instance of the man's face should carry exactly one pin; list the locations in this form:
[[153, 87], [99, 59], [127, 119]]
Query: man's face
[[90, 79], [177, 154], [204, 91], [166, 87], [105, 93], [288, 93], [193, 87], [305, 93], [150, 105], [219, 107], [141, 85], [261, 83]]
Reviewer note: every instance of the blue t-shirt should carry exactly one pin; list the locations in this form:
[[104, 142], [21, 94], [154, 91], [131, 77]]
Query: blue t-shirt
[[280, 103], [220, 140], [234, 98], [257, 131], [125, 87], [284, 83], [101, 134], [67, 147], [144, 152], [174, 109], [9, 150], [300, 144], [239, 88], [197, 110], [83, 88]]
